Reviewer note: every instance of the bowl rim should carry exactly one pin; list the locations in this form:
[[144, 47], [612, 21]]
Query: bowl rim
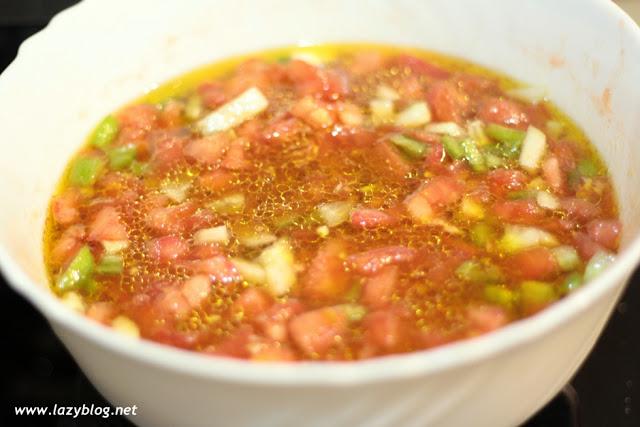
[[393, 367]]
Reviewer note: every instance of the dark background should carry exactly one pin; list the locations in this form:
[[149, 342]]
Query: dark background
[[35, 369]]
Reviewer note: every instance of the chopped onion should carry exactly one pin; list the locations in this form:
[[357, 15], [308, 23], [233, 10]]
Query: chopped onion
[[471, 209], [245, 106], [445, 128], [219, 234], [323, 231], [279, 266], [232, 203], [547, 200], [257, 239], [74, 301], [567, 257], [447, 227], [517, 238], [308, 57], [176, 192], [416, 114], [476, 132], [533, 148], [530, 94], [382, 111], [125, 326], [114, 246], [250, 271], [597, 264], [386, 92], [334, 213]]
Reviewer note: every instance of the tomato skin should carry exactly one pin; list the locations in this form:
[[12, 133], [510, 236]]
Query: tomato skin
[[448, 102], [503, 181], [605, 232], [534, 264], [326, 278]]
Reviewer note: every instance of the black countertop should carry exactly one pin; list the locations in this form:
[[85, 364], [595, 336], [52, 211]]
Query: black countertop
[[37, 370]]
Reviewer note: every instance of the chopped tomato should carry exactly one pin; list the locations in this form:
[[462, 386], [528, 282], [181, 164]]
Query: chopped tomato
[[518, 211], [503, 112], [212, 94], [366, 62], [68, 244], [166, 148], [209, 149], [219, 268], [315, 332], [605, 232], [554, 175], [102, 312], [503, 181], [251, 302], [420, 66], [235, 159], [172, 302], [313, 112], [236, 345], [168, 248], [283, 128], [141, 117], [442, 191], [64, 207], [392, 159], [535, 263], [171, 114], [483, 319], [196, 289], [385, 331], [271, 351], [170, 219], [587, 247], [372, 218], [579, 209], [217, 180], [326, 277], [274, 322], [372, 261], [448, 102], [379, 288], [106, 225]]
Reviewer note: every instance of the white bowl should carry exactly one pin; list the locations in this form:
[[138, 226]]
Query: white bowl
[[98, 55]]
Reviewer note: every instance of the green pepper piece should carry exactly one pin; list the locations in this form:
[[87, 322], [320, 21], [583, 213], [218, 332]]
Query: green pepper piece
[[452, 147], [139, 168], [536, 295], [78, 271], [121, 157], [105, 133], [496, 294], [110, 264], [473, 155], [504, 134], [477, 272], [412, 148], [572, 282], [481, 234], [587, 167], [85, 171]]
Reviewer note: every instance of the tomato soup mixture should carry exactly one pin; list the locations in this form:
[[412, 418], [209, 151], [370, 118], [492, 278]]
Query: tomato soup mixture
[[329, 203]]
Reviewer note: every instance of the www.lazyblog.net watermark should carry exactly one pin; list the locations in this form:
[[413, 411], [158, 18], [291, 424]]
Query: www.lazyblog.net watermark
[[77, 411]]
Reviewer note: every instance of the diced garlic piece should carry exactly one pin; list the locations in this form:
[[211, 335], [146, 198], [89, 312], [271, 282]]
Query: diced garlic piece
[[245, 106]]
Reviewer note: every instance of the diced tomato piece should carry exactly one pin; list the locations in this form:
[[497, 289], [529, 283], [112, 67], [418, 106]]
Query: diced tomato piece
[[139, 117], [503, 181], [219, 268], [418, 207], [372, 218], [283, 128], [372, 261], [68, 244], [483, 319], [106, 225], [392, 159], [271, 351], [442, 191], [217, 180], [503, 112], [385, 331], [366, 62], [554, 176], [236, 345], [379, 288], [605, 232], [422, 67], [475, 86], [208, 149], [587, 247], [518, 211], [535, 263], [253, 72], [326, 277], [310, 80], [315, 332], [251, 302], [102, 312], [566, 152], [170, 219], [434, 160], [579, 209], [314, 113], [212, 94], [168, 248], [172, 302], [411, 88], [200, 252], [273, 322], [235, 159], [166, 148], [448, 102], [196, 289], [65, 207], [171, 114]]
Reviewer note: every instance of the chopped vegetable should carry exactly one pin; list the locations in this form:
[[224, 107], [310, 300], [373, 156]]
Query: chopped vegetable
[[547, 200], [177, 192], [597, 264], [308, 57], [532, 94], [482, 234], [382, 111], [572, 282], [139, 168], [471, 208], [354, 312], [219, 234], [555, 129], [114, 246], [256, 239], [453, 147], [535, 295], [473, 155], [125, 326], [416, 114], [193, 109], [245, 106], [386, 92], [233, 203], [504, 134], [85, 171], [567, 257], [110, 264], [517, 237], [476, 132], [445, 128], [500, 295], [105, 133], [533, 149], [78, 271], [335, 213], [250, 271], [121, 157], [278, 263], [74, 301], [479, 272], [588, 168], [323, 231], [410, 147]]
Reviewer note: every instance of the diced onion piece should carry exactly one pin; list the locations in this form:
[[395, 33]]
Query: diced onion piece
[[416, 114], [597, 264], [323, 231], [279, 266], [250, 271], [232, 203], [447, 227], [537, 183], [530, 94], [517, 238], [334, 213], [533, 148], [114, 246], [245, 106], [476, 132], [125, 326], [193, 109], [219, 234], [387, 92], [256, 240], [547, 200], [74, 301], [354, 312], [471, 209], [308, 57], [445, 128], [382, 111], [567, 257], [176, 191]]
